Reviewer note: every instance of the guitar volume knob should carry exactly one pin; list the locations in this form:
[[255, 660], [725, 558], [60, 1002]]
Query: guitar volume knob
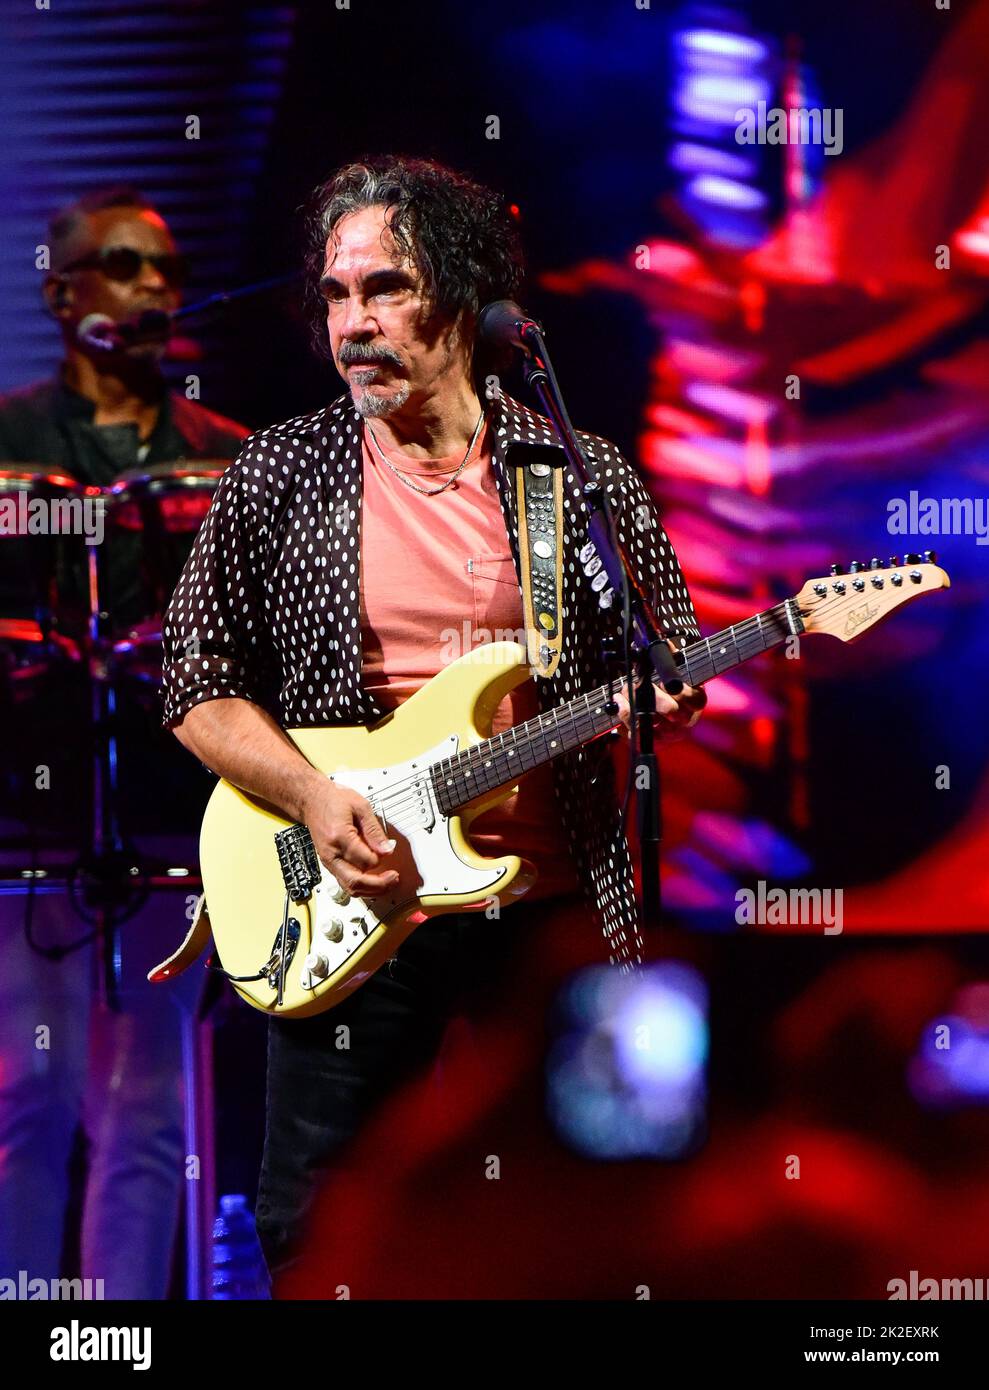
[[317, 964]]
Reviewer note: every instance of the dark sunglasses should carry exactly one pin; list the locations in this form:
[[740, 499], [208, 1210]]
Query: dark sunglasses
[[124, 263]]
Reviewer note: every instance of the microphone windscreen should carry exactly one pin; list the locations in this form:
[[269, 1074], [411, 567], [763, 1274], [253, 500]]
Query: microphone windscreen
[[498, 322], [97, 330]]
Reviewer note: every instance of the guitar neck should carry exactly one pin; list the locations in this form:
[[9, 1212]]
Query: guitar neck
[[712, 656], [501, 760]]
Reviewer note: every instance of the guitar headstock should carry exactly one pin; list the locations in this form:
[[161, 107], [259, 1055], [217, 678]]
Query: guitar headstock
[[848, 604]]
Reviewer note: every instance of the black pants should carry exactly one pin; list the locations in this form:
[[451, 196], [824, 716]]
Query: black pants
[[322, 1083]]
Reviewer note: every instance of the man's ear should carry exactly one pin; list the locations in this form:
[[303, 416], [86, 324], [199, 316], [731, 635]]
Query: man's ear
[[58, 295]]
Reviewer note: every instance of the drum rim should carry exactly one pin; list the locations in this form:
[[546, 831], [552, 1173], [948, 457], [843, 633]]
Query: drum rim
[[24, 473], [158, 477]]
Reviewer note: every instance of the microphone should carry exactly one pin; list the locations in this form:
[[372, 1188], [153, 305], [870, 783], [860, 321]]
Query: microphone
[[103, 334], [503, 324], [100, 332]]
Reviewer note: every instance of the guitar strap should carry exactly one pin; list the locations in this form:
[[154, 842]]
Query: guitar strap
[[539, 499], [195, 943]]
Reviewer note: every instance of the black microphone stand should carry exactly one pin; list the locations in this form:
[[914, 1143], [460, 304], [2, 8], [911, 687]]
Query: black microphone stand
[[224, 297], [644, 642]]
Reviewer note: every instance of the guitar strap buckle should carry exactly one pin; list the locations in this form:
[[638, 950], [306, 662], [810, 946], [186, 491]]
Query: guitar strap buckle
[[539, 492]]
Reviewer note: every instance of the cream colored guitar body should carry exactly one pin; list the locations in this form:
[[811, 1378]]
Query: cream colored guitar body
[[343, 941]]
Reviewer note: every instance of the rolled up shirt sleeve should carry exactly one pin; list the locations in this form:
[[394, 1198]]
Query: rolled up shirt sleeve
[[213, 632]]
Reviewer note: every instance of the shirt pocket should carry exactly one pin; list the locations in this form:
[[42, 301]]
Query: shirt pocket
[[497, 601]]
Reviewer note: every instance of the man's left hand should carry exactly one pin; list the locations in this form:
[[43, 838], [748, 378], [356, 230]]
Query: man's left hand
[[675, 714]]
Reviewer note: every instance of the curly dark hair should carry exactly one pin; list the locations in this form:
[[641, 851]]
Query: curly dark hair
[[459, 236]]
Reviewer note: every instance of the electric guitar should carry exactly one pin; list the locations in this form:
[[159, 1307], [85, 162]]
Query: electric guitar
[[290, 938]]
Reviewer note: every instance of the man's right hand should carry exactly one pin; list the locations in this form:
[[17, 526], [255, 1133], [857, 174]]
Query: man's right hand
[[349, 839], [240, 741]]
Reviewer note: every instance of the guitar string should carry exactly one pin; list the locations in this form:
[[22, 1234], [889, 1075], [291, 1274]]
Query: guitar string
[[743, 633], [535, 729], [740, 635]]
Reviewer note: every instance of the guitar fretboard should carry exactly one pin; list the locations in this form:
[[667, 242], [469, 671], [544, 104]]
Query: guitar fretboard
[[712, 656], [501, 760]]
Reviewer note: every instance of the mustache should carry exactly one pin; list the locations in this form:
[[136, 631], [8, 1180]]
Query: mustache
[[351, 353]]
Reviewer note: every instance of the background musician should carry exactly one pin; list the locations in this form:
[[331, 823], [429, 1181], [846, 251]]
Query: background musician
[[111, 1079]]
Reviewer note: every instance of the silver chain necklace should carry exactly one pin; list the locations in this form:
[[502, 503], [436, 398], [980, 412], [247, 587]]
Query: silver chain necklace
[[427, 491]]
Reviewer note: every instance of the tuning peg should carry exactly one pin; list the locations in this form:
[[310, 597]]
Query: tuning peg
[[836, 569], [930, 557], [894, 560], [876, 564], [912, 559], [855, 567]]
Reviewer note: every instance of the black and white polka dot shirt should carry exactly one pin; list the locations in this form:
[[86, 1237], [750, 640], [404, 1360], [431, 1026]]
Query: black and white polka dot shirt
[[267, 608]]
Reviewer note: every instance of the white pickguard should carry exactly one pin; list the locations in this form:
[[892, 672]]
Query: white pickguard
[[340, 927]]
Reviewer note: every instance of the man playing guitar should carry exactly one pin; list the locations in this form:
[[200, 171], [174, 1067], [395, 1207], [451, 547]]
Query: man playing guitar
[[341, 552]]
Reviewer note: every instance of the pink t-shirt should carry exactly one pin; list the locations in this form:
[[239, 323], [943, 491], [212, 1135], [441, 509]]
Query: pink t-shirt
[[437, 579]]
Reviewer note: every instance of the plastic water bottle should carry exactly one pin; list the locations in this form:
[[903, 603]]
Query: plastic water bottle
[[238, 1265]]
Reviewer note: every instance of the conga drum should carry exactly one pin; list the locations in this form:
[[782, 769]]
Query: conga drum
[[41, 511], [153, 516]]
